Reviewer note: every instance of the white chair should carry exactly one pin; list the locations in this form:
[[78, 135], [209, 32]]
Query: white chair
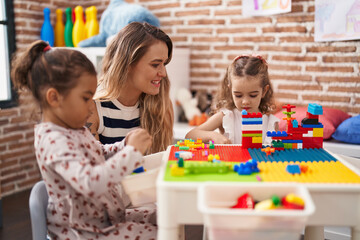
[[38, 202]]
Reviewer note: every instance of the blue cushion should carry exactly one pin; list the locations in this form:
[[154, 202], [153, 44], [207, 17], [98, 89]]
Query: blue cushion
[[348, 130]]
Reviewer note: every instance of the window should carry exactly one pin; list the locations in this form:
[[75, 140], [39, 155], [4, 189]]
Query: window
[[7, 47]]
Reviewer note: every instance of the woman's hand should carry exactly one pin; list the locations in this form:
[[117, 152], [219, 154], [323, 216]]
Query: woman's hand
[[140, 139]]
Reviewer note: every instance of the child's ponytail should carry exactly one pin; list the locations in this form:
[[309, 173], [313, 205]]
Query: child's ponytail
[[22, 64]]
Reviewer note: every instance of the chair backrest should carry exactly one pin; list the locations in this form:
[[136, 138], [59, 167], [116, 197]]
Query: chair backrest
[[38, 202]]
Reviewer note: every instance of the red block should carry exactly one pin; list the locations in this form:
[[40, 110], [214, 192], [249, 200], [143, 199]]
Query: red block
[[245, 201]]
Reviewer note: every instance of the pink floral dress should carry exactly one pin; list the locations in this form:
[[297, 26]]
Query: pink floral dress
[[83, 199]]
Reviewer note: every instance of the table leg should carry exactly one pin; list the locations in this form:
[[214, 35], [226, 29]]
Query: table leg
[[355, 233], [314, 233], [1, 214], [169, 233]]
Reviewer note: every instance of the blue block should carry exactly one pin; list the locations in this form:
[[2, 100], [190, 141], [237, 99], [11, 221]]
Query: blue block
[[252, 120], [293, 169], [315, 109], [276, 134], [295, 123], [252, 123], [312, 125], [139, 170], [243, 112], [291, 141]]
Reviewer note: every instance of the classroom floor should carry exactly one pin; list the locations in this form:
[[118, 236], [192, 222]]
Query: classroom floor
[[16, 217]]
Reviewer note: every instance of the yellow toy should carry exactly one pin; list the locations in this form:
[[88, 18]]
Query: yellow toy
[[92, 25], [79, 27], [59, 29]]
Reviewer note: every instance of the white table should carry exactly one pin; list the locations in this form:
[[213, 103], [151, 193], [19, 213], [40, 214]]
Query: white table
[[336, 205]]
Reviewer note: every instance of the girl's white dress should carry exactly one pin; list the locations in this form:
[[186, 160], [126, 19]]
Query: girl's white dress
[[83, 199], [232, 122]]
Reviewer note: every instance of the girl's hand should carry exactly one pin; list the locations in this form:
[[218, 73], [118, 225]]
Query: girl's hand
[[218, 138], [139, 139]]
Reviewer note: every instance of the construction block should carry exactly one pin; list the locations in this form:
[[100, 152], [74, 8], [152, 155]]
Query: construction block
[[180, 162], [252, 123], [251, 120], [177, 171], [276, 134], [308, 134], [318, 132], [206, 167], [251, 115], [293, 168], [312, 126], [309, 121], [315, 109], [252, 127], [287, 145], [309, 115], [277, 144], [252, 135], [256, 139], [183, 154], [295, 123]]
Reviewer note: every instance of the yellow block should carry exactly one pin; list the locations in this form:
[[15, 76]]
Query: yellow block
[[257, 140], [177, 171], [318, 132]]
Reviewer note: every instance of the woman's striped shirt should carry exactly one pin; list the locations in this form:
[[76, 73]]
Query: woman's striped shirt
[[116, 120]]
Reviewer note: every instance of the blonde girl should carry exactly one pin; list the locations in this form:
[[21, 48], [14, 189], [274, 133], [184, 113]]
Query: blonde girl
[[246, 86], [134, 88], [80, 174]]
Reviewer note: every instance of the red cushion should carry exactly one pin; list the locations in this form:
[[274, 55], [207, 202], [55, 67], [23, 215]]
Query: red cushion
[[331, 119]]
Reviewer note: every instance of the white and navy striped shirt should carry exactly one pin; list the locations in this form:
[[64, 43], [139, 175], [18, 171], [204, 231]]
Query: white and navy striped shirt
[[116, 120]]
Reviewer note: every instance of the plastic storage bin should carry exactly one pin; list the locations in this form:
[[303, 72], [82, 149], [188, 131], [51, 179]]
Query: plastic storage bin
[[223, 222], [141, 187]]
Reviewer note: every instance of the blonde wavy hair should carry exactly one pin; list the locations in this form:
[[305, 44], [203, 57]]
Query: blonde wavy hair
[[243, 66], [125, 50]]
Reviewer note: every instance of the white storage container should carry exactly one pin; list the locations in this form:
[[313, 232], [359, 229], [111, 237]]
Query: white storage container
[[225, 223], [141, 187]]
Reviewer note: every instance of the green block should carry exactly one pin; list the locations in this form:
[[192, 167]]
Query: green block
[[183, 148]]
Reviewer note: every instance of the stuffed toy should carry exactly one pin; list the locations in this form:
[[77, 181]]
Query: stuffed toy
[[116, 16], [189, 105]]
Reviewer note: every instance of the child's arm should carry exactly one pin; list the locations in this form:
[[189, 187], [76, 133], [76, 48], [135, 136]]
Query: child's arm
[[84, 173], [206, 131], [111, 149]]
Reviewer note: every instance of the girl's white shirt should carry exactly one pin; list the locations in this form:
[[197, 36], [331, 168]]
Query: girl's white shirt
[[232, 124]]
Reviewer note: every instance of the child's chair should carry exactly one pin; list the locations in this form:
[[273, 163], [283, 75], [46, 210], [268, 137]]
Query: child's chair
[[38, 204]]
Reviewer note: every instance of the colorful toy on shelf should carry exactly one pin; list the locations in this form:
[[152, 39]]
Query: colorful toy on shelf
[[59, 29], [251, 130], [47, 31], [68, 28], [91, 25], [78, 33], [117, 15], [189, 104]]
